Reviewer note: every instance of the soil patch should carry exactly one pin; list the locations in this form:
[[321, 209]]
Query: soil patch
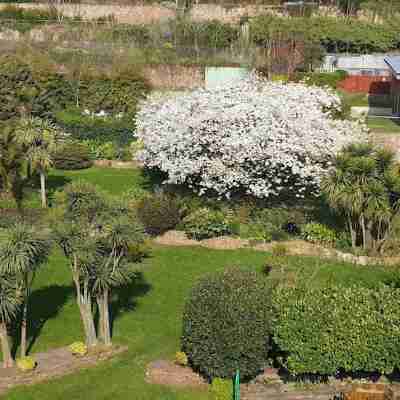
[[52, 364], [163, 372]]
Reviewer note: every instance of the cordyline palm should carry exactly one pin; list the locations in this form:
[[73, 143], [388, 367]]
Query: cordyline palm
[[22, 251], [39, 138], [77, 242], [113, 267], [361, 186], [11, 161], [10, 301]]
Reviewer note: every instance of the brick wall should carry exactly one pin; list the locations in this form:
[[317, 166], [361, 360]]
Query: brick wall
[[366, 84], [175, 77]]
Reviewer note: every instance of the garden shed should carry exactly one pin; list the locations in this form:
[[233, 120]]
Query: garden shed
[[394, 65]]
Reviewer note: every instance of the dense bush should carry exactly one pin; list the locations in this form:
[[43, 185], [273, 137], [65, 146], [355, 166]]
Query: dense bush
[[72, 156], [322, 79], [334, 34], [159, 213], [336, 329], [318, 233], [226, 324], [205, 223], [254, 137], [25, 89]]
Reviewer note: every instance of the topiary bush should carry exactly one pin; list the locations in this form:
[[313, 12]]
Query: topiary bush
[[71, 156], [226, 324], [326, 330], [181, 359], [221, 389], [205, 223], [26, 364], [159, 213]]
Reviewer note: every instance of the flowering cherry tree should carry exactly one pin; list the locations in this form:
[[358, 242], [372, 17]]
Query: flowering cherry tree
[[258, 137]]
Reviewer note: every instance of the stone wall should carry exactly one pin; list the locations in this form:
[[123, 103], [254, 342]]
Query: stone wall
[[145, 14]]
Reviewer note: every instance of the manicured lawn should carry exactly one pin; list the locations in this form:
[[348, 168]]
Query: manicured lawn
[[148, 318], [383, 125]]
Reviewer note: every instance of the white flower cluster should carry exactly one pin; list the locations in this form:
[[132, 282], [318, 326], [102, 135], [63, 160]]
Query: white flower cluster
[[256, 136]]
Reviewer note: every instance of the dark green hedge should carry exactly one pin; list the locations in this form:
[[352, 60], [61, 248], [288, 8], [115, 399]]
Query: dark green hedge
[[337, 329], [226, 324], [72, 156]]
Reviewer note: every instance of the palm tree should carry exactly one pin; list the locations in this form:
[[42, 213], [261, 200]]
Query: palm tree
[[365, 188], [22, 251], [39, 137], [113, 267], [11, 161], [9, 304]]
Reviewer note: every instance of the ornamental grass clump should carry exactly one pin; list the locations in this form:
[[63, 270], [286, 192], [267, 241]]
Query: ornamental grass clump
[[78, 349], [26, 364], [255, 137]]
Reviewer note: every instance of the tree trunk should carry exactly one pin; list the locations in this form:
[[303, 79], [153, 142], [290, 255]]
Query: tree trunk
[[364, 231], [85, 309], [353, 233], [24, 323], [106, 319], [101, 316], [5, 347], [43, 189]]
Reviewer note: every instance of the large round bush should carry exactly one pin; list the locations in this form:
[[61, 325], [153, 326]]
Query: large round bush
[[258, 137], [226, 324]]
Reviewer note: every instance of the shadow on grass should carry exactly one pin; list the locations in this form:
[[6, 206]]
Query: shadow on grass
[[45, 304], [124, 298]]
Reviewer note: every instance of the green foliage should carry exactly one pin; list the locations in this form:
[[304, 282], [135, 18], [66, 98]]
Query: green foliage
[[78, 349], [221, 389], [318, 233], [71, 156], [330, 79], [330, 329], [335, 35], [102, 151], [226, 324], [159, 213], [279, 250], [205, 223], [26, 364], [181, 358], [28, 89]]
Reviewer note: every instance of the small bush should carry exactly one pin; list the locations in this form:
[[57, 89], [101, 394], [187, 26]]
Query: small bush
[[226, 324], [326, 330], [159, 213], [26, 364], [181, 358], [279, 250], [318, 233], [221, 389], [78, 349], [72, 156], [205, 223]]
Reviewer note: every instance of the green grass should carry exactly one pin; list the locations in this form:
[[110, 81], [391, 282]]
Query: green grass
[[113, 180], [383, 125], [149, 320]]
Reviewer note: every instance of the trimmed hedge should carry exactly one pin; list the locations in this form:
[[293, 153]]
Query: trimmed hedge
[[72, 156], [226, 324], [338, 329]]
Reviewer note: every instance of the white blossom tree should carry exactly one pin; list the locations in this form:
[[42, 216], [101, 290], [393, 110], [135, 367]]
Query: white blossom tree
[[257, 137]]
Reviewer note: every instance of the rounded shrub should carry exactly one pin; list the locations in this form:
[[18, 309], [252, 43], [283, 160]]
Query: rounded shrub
[[226, 324], [181, 359], [159, 213], [78, 349], [71, 156], [318, 233], [26, 364], [205, 223]]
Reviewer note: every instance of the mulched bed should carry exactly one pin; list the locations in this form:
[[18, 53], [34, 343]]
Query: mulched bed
[[52, 364]]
